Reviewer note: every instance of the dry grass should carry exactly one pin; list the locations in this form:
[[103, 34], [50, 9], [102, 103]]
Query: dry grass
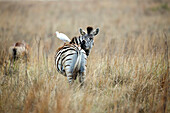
[[128, 69]]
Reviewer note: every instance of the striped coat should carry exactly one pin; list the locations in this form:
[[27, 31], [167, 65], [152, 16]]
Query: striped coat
[[71, 58], [86, 40], [70, 61]]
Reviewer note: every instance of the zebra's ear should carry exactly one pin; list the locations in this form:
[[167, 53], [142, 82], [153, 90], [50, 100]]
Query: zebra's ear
[[95, 32], [82, 32]]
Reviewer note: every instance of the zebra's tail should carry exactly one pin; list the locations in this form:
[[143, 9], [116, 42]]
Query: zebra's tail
[[78, 61]]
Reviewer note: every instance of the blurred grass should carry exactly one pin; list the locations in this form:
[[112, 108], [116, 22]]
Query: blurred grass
[[125, 70]]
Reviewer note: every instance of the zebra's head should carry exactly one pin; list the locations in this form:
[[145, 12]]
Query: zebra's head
[[88, 38]]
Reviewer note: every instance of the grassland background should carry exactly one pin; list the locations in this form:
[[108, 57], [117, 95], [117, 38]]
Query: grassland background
[[127, 70]]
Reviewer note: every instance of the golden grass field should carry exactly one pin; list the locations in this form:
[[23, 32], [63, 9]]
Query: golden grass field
[[127, 70]]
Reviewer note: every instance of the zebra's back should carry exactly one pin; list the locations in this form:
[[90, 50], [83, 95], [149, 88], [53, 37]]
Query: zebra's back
[[70, 61]]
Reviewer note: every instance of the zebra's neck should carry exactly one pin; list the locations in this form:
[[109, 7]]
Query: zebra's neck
[[78, 41]]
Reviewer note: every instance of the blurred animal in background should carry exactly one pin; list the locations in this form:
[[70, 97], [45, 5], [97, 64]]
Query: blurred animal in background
[[70, 59], [19, 50], [62, 37]]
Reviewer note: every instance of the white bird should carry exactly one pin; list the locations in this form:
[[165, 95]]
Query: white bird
[[62, 37]]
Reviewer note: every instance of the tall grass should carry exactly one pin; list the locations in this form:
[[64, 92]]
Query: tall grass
[[127, 70]]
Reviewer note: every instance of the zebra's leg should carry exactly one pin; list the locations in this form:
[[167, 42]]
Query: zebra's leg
[[70, 77], [82, 72], [82, 77]]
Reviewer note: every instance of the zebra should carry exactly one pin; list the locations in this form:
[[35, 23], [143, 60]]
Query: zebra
[[71, 59]]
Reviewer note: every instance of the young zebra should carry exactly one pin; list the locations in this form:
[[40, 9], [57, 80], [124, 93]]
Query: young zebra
[[70, 59]]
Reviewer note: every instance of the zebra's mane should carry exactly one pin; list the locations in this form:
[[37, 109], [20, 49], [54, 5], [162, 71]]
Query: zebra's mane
[[72, 40], [89, 30]]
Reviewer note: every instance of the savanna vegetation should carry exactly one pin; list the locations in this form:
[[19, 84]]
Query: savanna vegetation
[[127, 70]]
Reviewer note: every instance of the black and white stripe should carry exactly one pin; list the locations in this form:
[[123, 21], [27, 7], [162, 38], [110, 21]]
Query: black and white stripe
[[70, 61], [86, 40], [76, 40]]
